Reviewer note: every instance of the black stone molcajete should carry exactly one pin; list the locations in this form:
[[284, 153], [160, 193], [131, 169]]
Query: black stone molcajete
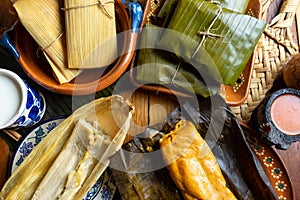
[[264, 125]]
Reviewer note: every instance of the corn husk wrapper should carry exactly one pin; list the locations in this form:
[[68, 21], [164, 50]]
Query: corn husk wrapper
[[156, 66], [42, 19], [90, 33], [109, 115], [222, 40]]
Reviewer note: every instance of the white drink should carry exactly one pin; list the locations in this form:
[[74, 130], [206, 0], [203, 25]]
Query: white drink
[[10, 98]]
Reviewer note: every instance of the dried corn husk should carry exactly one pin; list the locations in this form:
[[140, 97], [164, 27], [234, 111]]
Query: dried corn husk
[[203, 33], [90, 33], [42, 19], [112, 115]]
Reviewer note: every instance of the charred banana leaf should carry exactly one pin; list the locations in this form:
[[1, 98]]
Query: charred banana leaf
[[130, 171], [221, 130], [224, 135]]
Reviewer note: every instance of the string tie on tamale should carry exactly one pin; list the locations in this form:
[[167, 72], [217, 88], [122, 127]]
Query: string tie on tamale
[[204, 34], [175, 74], [99, 3], [49, 45], [207, 32]]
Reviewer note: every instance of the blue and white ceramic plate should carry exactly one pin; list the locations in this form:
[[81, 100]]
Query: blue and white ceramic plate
[[104, 188]]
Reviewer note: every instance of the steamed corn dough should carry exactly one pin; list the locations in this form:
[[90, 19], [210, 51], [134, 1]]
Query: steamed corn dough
[[192, 165], [83, 150], [110, 115]]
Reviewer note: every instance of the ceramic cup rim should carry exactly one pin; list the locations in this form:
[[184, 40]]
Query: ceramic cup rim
[[20, 83]]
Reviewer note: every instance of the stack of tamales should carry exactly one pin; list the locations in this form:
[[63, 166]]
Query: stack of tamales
[[215, 38], [69, 161], [86, 40]]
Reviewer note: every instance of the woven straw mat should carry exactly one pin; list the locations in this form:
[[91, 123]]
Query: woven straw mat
[[273, 50]]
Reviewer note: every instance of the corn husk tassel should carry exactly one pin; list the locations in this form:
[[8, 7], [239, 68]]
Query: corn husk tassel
[[42, 19], [90, 33]]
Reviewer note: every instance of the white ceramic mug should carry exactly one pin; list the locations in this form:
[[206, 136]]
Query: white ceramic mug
[[20, 104]]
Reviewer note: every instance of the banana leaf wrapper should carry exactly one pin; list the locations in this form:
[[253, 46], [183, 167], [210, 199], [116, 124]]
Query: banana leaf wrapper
[[134, 185], [156, 66], [169, 7], [221, 130], [100, 113], [203, 33]]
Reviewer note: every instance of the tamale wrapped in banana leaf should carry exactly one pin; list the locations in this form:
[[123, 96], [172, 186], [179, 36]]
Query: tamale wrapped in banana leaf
[[132, 173], [208, 36], [90, 33], [214, 121], [168, 8], [192, 165], [111, 115], [43, 20], [156, 66]]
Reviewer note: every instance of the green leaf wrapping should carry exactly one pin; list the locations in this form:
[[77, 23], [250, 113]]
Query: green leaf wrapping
[[156, 66], [169, 7], [224, 57]]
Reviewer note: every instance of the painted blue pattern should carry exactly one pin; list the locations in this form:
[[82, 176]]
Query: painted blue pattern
[[35, 109]]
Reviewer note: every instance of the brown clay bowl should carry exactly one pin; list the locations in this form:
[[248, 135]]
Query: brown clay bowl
[[90, 80]]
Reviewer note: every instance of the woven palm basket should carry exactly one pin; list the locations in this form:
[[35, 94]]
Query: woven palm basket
[[275, 47]]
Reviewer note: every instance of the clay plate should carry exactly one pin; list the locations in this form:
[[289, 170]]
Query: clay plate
[[233, 95], [272, 164], [90, 80]]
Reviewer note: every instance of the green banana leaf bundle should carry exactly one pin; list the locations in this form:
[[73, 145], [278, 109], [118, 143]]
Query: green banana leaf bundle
[[156, 66], [169, 7], [208, 36]]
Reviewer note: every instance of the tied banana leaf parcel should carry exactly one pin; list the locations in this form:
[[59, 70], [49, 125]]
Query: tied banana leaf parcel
[[208, 36], [156, 66], [169, 6]]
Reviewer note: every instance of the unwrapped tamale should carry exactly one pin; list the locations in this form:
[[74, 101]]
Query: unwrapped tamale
[[208, 36], [111, 115], [43, 20], [192, 165], [90, 33]]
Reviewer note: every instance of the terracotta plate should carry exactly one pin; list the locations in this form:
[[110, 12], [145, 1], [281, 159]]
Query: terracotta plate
[[90, 80], [234, 95]]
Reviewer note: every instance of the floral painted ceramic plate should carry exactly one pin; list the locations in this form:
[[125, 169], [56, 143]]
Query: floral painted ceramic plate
[[104, 188]]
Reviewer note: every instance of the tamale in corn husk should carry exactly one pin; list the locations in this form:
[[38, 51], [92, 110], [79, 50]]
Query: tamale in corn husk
[[110, 115], [43, 20], [90, 33], [205, 34]]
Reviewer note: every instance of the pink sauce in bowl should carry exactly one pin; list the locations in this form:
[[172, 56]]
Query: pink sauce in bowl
[[285, 113]]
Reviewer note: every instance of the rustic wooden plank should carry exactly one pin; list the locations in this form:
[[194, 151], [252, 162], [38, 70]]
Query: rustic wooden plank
[[159, 107], [4, 161], [291, 158], [140, 119]]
